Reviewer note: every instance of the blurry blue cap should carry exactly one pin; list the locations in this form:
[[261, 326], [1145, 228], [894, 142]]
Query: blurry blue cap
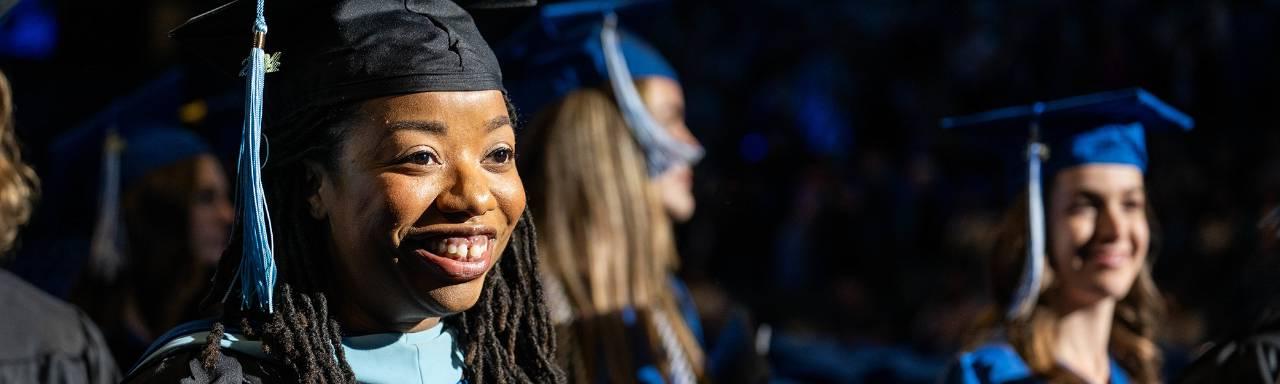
[[147, 124], [1108, 127], [560, 51]]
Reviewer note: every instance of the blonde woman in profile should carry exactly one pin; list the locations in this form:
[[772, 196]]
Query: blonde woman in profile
[[608, 162], [1081, 305]]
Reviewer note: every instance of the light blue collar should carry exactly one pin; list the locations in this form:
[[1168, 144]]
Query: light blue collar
[[426, 357]]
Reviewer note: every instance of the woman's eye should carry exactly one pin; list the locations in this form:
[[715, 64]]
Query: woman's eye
[[501, 155], [423, 157], [1080, 205], [205, 197]]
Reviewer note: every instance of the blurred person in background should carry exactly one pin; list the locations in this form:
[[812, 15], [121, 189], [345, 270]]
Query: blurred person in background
[[133, 240], [1086, 309], [1248, 353], [175, 220], [45, 339], [609, 159]]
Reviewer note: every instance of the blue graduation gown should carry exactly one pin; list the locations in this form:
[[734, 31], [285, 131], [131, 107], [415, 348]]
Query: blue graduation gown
[[998, 363]]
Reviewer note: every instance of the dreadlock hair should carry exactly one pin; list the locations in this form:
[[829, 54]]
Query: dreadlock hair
[[507, 336]]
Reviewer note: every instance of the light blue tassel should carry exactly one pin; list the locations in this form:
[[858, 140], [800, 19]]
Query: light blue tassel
[[106, 252], [1028, 291], [257, 265], [661, 149]]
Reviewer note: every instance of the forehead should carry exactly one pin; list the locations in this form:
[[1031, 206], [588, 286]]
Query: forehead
[[1100, 178], [445, 107], [660, 88]]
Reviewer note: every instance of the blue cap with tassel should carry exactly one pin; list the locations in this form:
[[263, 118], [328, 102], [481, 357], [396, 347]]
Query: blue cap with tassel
[[578, 44], [1100, 128]]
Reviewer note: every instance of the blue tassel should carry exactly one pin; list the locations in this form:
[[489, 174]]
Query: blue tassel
[[257, 265]]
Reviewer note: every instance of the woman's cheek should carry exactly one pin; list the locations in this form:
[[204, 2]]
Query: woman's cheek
[[407, 197]]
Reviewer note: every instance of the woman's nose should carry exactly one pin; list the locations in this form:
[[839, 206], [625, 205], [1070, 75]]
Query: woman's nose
[[468, 195]]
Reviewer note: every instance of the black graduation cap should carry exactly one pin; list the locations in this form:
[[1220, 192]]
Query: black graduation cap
[[325, 52], [1100, 128], [332, 51]]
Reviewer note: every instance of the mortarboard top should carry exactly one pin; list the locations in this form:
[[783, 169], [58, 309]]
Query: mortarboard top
[[1101, 128], [349, 50], [1106, 127]]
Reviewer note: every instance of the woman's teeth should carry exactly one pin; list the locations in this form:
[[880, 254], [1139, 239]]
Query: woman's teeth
[[462, 248]]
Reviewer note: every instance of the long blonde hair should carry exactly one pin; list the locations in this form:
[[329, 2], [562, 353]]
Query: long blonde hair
[[1032, 336], [603, 234], [18, 184]]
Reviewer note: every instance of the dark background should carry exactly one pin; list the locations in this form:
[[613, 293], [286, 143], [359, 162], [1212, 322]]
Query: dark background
[[831, 203]]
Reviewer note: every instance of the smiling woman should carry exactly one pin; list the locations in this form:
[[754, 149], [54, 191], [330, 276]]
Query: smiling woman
[[401, 239], [1092, 317], [422, 180]]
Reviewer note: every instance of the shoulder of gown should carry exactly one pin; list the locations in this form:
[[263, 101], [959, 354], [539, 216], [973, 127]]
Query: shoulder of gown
[[186, 365], [989, 363], [177, 356], [1251, 359], [48, 339]]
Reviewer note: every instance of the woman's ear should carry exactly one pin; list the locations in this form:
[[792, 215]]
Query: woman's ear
[[318, 182]]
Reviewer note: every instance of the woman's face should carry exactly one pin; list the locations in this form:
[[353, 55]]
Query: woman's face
[[211, 211], [665, 100], [1098, 231], [421, 202]]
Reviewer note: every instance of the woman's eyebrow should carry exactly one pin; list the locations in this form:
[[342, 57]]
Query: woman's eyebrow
[[497, 122], [428, 126]]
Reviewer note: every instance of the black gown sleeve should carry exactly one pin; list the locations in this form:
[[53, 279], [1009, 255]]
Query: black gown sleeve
[[1255, 359]]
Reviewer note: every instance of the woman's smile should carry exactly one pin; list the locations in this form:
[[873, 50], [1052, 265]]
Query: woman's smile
[[456, 254], [1108, 257]]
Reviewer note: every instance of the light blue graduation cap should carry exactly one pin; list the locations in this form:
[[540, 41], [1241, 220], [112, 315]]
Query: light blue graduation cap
[[1100, 128], [578, 44]]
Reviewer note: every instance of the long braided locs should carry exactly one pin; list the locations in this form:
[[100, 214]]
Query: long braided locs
[[507, 336]]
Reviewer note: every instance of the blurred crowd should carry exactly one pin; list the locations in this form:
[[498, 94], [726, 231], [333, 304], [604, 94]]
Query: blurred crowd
[[832, 209]]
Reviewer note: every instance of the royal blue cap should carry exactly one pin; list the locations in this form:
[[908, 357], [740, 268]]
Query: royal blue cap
[[1108, 127], [579, 44], [560, 51]]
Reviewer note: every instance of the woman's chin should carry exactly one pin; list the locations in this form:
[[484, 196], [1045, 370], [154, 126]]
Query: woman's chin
[[1109, 289], [456, 298]]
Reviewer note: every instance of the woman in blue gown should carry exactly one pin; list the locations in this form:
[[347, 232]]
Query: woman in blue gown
[[1077, 298], [609, 168]]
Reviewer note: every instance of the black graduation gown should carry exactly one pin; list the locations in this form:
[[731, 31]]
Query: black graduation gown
[[48, 341], [1250, 359]]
